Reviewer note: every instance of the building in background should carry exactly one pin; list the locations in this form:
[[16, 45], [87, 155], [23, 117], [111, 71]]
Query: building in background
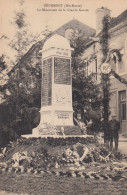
[[118, 46]]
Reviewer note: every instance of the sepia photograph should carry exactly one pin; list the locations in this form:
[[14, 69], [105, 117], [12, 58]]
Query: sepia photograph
[[63, 96]]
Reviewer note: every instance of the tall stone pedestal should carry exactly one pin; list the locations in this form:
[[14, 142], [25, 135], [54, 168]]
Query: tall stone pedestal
[[56, 99]]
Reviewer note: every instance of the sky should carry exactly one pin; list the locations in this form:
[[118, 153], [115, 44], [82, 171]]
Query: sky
[[54, 19], [39, 19]]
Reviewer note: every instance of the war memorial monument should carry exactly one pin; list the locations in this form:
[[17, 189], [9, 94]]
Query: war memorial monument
[[56, 111]]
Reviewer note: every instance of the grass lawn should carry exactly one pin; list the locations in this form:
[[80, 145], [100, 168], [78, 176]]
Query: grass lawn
[[44, 152], [52, 185]]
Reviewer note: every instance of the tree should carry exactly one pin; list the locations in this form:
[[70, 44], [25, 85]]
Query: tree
[[86, 92], [2, 63], [105, 78], [23, 39], [17, 91], [19, 44], [3, 77], [26, 117]]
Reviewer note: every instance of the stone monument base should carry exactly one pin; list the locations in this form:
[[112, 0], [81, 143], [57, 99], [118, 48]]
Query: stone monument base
[[44, 129], [48, 129]]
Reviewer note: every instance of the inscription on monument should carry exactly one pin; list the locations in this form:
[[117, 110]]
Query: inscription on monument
[[47, 82], [62, 74]]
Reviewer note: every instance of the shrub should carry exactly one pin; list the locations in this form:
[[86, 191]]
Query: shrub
[[7, 135]]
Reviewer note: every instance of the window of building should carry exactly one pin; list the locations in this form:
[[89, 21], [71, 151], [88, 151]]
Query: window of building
[[123, 109], [123, 96], [123, 105], [69, 33]]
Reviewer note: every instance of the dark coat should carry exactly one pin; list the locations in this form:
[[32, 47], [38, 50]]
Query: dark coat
[[114, 126]]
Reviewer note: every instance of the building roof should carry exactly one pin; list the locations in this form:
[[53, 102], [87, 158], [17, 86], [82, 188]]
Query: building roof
[[35, 46], [76, 25], [118, 19], [82, 28], [73, 24]]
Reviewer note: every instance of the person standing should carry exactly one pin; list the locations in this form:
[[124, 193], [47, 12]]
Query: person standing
[[114, 126]]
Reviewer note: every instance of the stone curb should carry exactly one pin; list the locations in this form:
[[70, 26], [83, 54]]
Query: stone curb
[[89, 175]]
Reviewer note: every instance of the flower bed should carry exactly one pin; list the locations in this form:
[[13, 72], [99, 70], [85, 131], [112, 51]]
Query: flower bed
[[56, 153]]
